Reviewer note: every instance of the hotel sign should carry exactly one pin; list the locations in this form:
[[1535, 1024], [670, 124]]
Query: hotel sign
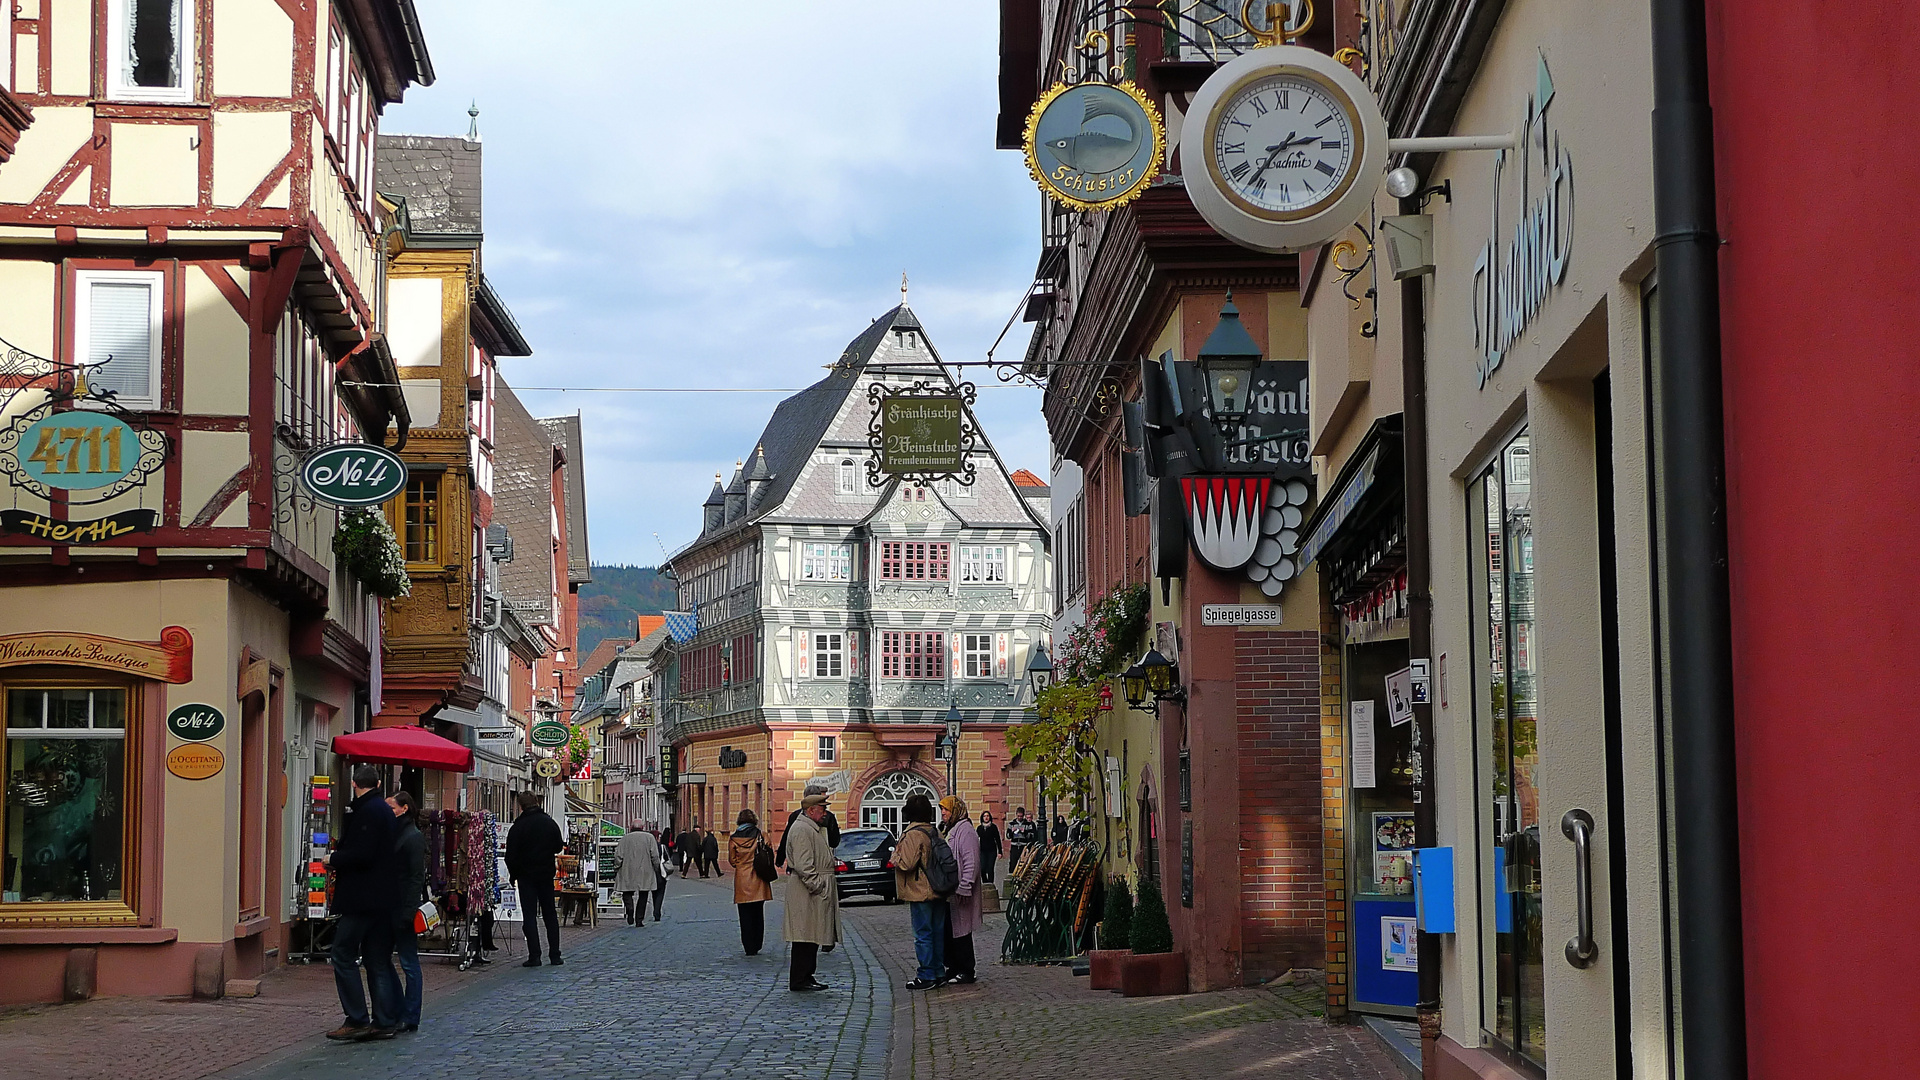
[[923, 432]]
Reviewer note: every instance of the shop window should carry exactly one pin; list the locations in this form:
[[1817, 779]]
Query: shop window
[[117, 333], [827, 749], [420, 536], [983, 564], [1500, 520], [913, 560], [152, 49], [66, 794]]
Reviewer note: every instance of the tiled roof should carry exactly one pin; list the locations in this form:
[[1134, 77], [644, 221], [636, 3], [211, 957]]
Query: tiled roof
[[1023, 478], [438, 176], [523, 502], [603, 654], [565, 433]]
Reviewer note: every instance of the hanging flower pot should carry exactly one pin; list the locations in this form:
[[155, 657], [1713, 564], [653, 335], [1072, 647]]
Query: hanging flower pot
[[364, 546]]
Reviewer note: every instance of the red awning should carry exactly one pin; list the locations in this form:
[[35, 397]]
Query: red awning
[[404, 746]]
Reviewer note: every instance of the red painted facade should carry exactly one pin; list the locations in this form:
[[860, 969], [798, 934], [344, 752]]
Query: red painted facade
[[1823, 477]]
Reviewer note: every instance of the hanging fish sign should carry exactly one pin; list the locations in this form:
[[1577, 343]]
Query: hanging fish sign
[[1094, 145]]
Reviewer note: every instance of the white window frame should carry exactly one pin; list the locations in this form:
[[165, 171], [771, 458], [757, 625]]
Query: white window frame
[[829, 659], [847, 476], [976, 564], [119, 74], [976, 655], [832, 562], [156, 283], [826, 749]]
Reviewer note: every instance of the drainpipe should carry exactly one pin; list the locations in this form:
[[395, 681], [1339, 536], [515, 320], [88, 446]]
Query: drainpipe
[[1413, 384], [1690, 469]]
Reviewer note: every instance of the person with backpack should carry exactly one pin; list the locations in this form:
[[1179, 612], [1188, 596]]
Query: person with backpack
[[963, 907], [924, 875], [753, 877]]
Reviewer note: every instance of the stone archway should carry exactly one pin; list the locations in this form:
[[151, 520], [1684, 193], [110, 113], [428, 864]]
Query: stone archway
[[881, 800]]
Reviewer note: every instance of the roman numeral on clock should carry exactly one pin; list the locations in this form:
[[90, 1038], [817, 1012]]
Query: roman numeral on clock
[[1280, 99], [1324, 167], [1234, 148], [1240, 170], [1329, 144], [1259, 109], [1324, 122]]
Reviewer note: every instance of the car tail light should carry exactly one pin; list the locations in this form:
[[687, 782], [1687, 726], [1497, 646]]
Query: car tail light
[[841, 868]]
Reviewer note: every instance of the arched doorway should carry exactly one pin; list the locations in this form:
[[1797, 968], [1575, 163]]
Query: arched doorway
[[881, 803]]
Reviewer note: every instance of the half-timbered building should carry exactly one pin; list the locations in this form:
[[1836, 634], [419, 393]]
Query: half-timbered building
[[838, 619], [188, 247]]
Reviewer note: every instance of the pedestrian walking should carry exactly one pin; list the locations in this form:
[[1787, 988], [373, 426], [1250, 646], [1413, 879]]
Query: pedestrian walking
[[710, 854], [685, 847], [989, 845], [1019, 838], [365, 889], [666, 871], [832, 825], [927, 910], [532, 843], [750, 891], [963, 907], [638, 874], [813, 894], [410, 856]]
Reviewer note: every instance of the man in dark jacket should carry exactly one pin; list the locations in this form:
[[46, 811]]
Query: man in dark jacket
[[410, 857], [710, 853], [686, 848], [829, 822], [532, 843], [365, 889]]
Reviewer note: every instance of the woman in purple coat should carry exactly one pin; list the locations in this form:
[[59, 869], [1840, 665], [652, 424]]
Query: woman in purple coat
[[963, 907]]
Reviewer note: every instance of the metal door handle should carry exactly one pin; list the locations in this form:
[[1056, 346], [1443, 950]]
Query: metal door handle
[[1578, 826]]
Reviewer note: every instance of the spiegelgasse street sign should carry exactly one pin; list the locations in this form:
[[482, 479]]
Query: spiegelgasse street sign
[[354, 475]]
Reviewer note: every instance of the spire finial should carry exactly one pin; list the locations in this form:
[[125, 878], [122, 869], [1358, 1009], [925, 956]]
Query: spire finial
[[903, 288], [473, 124]]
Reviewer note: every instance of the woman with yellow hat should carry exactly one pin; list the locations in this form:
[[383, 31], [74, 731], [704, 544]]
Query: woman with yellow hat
[[963, 907]]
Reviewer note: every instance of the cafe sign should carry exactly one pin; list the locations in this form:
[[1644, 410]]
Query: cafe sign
[[354, 475], [923, 432]]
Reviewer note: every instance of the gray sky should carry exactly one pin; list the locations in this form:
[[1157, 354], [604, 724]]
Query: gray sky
[[716, 195]]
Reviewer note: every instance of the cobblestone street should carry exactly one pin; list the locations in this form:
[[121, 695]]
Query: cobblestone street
[[678, 1000]]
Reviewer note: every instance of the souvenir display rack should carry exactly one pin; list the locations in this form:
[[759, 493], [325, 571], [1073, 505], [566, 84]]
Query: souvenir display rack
[[1050, 900]]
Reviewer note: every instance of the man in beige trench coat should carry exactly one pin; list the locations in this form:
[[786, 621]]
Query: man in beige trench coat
[[813, 894], [639, 872]]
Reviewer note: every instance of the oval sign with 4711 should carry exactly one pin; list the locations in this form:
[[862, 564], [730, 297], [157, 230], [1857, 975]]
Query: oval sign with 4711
[[354, 475]]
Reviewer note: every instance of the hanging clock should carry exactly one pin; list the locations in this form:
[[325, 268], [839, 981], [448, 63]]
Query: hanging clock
[[1283, 148]]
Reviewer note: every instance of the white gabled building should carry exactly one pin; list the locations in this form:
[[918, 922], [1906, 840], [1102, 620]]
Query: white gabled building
[[839, 619]]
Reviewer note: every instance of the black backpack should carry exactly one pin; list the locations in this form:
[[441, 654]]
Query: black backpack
[[941, 869]]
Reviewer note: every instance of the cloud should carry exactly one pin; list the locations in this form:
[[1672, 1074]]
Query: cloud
[[723, 196]]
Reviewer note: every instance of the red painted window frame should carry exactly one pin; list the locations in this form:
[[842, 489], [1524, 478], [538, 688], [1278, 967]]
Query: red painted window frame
[[915, 560], [913, 654]]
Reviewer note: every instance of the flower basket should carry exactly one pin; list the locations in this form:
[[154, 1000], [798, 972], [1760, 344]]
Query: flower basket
[[364, 546]]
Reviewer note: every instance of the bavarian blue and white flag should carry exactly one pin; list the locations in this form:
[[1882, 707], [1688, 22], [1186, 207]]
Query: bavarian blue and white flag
[[683, 625]]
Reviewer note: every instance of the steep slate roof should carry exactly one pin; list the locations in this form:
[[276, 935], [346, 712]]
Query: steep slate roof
[[523, 502], [632, 664], [565, 433], [438, 176]]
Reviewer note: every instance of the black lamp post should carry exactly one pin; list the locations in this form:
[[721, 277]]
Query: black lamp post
[[953, 746], [1227, 363]]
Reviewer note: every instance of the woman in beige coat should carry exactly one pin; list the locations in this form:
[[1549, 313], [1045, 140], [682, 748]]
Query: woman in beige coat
[[813, 894], [750, 894]]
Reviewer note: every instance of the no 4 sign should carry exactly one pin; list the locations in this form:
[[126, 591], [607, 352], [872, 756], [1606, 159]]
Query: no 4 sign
[[354, 475]]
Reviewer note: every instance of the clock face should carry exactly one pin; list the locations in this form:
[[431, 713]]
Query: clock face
[[1284, 145]]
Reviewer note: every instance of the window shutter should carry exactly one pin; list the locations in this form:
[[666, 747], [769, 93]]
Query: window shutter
[[801, 640], [953, 649], [120, 335], [1000, 655]]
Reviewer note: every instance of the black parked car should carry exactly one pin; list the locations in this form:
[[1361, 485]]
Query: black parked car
[[860, 864]]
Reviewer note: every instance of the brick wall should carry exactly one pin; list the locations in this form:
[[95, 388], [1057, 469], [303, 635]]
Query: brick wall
[[1277, 706]]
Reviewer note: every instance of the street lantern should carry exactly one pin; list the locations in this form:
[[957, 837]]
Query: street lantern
[[1227, 362], [1134, 682], [953, 746], [953, 722], [1039, 669], [1161, 673]]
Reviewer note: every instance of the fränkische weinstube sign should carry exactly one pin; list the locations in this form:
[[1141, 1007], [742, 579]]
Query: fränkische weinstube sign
[[922, 434]]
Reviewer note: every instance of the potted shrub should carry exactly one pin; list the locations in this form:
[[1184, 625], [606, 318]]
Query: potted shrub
[[1153, 968], [1116, 937]]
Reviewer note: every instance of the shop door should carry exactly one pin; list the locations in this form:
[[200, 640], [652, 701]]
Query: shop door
[[1546, 655]]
